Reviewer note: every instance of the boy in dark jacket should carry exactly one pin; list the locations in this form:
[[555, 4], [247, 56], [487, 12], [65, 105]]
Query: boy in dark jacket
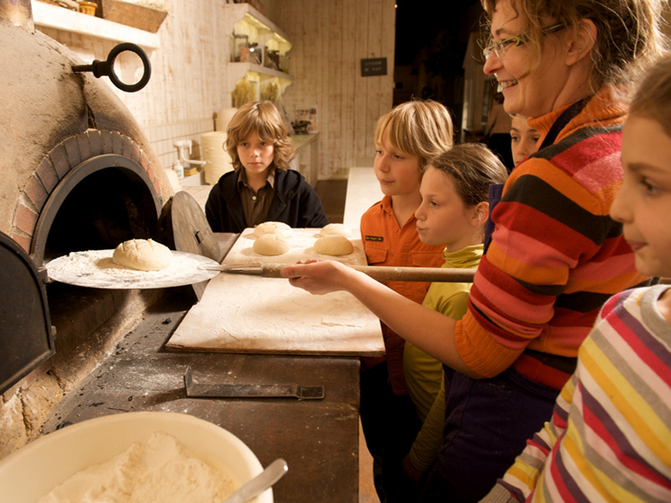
[[262, 187]]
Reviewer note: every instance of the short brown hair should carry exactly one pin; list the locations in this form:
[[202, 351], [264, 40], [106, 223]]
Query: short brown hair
[[420, 128], [262, 118], [473, 167], [629, 36], [653, 97]]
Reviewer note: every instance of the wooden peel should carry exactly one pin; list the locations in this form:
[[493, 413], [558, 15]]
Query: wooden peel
[[379, 273]]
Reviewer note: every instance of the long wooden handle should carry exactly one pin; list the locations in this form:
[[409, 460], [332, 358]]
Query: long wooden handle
[[430, 274], [385, 273]]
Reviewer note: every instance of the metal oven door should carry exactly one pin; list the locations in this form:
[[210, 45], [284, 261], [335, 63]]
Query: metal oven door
[[26, 334]]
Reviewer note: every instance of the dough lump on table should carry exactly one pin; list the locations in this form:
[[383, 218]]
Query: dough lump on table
[[334, 244], [143, 254], [272, 228], [336, 230], [271, 244]]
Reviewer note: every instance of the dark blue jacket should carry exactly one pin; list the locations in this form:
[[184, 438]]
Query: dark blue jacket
[[295, 203]]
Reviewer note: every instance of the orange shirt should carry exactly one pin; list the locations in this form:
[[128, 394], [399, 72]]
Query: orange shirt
[[388, 244]]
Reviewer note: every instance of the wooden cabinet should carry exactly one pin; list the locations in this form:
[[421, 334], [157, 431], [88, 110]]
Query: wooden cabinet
[[267, 64]]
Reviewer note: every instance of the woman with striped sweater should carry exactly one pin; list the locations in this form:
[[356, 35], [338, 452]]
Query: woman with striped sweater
[[555, 255], [610, 434]]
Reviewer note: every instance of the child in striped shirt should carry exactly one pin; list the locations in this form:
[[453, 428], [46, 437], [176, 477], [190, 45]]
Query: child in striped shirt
[[610, 434]]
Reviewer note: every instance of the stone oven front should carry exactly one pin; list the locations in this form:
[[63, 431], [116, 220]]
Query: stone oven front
[[78, 174]]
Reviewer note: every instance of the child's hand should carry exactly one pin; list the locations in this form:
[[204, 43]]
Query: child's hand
[[318, 276], [413, 473]]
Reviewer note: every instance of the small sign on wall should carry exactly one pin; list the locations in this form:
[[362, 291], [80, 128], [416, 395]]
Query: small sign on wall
[[373, 66]]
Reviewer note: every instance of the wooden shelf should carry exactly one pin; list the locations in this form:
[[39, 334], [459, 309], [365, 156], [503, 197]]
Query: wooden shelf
[[257, 73], [298, 141], [133, 14], [243, 19], [51, 16], [243, 68]]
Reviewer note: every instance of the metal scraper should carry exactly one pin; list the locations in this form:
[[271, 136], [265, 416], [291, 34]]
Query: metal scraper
[[194, 389]]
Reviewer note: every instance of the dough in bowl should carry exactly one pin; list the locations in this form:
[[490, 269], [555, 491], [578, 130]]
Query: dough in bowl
[[143, 255], [271, 244], [336, 229], [272, 228], [334, 244]]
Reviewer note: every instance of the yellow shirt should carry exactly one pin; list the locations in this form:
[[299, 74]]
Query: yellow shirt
[[423, 373]]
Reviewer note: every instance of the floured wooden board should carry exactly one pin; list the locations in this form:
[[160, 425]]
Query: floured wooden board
[[248, 314], [302, 248]]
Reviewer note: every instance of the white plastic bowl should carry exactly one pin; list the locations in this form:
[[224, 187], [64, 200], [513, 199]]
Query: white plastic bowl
[[31, 472]]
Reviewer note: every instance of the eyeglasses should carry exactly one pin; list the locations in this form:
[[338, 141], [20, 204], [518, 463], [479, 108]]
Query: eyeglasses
[[499, 48]]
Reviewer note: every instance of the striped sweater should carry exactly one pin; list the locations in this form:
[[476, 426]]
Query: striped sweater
[[610, 434], [555, 256]]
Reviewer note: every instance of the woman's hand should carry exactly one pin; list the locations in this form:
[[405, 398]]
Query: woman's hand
[[318, 276]]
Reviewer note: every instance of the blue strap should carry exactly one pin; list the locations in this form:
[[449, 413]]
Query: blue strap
[[495, 193]]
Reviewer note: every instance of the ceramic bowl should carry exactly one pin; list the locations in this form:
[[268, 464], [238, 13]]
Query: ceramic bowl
[[32, 471]]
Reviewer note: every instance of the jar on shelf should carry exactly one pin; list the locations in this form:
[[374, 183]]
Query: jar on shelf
[[87, 7], [255, 54], [240, 47]]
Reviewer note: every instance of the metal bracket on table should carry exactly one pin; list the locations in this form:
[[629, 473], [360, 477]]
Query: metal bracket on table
[[251, 390]]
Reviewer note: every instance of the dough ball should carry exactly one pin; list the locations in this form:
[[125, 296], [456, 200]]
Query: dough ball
[[271, 244], [334, 245], [272, 228], [143, 254], [336, 230]]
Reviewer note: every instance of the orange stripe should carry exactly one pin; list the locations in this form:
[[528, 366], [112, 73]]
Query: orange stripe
[[479, 351], [524, 271]]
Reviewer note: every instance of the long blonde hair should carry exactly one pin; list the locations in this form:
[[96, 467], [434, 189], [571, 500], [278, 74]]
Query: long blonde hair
[[262, 118]]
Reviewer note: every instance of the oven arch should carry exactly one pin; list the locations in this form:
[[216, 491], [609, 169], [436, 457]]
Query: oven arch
[[65, 167], [130, 213]]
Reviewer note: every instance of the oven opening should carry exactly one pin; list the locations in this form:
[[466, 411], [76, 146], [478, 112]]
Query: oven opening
[[98, 205]]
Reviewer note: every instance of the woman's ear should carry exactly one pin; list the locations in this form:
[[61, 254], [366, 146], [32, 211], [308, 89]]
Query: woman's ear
[[480, 214], [580, 41]]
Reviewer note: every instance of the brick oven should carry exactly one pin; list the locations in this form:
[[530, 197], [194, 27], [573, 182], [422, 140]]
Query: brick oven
[[78, 173]]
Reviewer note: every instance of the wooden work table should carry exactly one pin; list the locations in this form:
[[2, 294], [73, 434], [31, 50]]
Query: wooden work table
[[319, 439]]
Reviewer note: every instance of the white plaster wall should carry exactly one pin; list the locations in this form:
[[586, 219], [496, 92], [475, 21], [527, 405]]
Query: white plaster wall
[[189, 82], [189, 78]]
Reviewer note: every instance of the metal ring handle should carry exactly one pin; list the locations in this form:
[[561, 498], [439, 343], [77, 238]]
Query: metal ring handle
[[100, 68]]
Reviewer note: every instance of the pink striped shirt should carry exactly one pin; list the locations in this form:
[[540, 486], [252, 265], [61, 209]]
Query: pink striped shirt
[[555, 256]]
